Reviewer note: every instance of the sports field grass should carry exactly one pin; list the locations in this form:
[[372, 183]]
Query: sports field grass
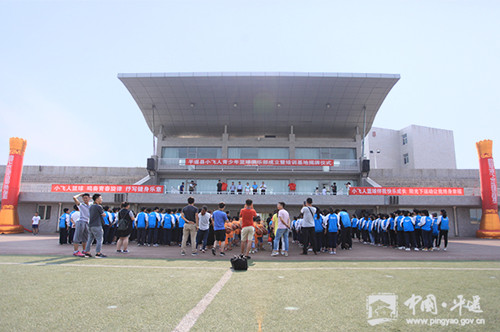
[[55, 293]]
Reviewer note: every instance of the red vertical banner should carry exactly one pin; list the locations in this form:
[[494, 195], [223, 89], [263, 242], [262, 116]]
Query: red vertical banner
[[9, 219], [490, 222]]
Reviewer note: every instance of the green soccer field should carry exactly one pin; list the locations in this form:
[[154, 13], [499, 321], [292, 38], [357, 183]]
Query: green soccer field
[[54, 293]]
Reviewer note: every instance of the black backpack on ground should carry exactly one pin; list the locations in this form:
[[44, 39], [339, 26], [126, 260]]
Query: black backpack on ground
[[239, 263]]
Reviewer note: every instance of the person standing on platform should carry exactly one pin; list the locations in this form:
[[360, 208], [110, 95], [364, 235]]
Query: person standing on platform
[[219, 187], [263, 188]]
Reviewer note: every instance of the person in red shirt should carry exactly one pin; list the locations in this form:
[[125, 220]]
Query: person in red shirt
[[246, 219]]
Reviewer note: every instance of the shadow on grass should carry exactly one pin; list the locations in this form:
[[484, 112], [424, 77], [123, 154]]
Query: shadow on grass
[[56, 260]]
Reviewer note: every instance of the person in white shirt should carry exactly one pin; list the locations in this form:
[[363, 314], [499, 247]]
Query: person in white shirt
[[263, 188], [35, 221], [203, 221], [307, 226]]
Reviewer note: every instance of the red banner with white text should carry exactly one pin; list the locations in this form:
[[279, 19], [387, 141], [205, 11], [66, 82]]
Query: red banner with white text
[[406, 191], [107, 188], [488, 180], [259, 162]]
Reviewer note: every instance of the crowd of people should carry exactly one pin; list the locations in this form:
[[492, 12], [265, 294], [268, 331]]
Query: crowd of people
[[314, 230]]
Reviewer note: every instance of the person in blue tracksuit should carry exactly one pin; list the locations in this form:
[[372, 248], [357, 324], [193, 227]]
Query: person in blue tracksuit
[[180, 226], [371, 225], [392, 230], [384, 225], [346, 228], [64, 222], [409, 231], [318, 230], [153, 223], [435, 231], [141, 223], [426, 227], [167, 227], [332, 228], [106, 225], [444, 227], [355, 227], [417, 215], [399, 230]]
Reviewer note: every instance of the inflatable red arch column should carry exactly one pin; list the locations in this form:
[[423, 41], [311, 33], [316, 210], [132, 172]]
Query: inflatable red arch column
[[9, 219], [490, 223]]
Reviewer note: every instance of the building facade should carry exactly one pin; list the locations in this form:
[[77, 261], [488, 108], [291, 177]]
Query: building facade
[[413, 147]]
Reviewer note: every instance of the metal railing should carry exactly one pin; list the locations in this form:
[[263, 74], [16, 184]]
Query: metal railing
[[46, 188], [180, 164]]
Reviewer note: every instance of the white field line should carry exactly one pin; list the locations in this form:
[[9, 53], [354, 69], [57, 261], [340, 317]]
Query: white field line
[[192, 316], [402, 268], [118, 266]]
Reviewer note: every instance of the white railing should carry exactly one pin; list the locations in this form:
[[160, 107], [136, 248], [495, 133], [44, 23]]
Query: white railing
[[180, 164], [46, 188]]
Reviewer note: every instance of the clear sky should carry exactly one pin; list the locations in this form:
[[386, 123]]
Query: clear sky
[[59, 61]]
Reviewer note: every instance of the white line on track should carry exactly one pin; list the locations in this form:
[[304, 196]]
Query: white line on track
[[402, 268], [192, 316]]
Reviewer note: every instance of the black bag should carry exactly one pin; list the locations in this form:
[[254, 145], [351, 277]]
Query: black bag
[[122, 225], [239, 263], [123, 222]]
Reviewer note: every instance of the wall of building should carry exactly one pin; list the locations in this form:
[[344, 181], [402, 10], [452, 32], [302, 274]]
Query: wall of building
[[427, 148], [76, 174]]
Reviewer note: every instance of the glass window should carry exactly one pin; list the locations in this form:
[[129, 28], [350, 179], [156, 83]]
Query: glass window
[[325, 153], [258, 153], [191, 152], [44, 211], [406, 158], [405, 139], [475, 216]]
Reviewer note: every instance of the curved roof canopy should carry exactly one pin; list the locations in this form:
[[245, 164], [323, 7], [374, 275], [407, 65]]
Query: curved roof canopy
[[256, 104]]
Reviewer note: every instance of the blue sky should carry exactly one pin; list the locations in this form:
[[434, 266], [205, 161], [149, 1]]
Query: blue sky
[[60, 59]]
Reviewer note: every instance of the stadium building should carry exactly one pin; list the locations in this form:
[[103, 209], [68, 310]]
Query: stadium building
[[296, 132]]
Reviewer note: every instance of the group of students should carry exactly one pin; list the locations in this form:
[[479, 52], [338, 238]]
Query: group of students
[[405, 230], [314, 230]]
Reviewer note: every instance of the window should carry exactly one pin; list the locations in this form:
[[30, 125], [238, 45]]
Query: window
[[191, 152], [406, 159], [44, 211], [325, 153], [405, 139], [258, 153]]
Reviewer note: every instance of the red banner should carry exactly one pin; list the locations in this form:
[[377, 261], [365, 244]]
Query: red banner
[[259, 162], [406, 191], [107, 188], [488, 180]]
